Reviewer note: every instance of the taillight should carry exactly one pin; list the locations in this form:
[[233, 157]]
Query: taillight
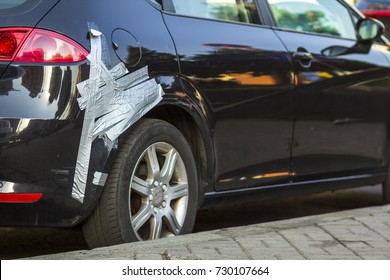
[[39, 46], [10, 41]]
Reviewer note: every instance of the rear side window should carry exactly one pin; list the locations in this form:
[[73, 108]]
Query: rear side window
[[13, 7], [231, 10]]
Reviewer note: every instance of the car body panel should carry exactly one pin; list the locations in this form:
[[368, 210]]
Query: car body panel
[[243, 78], [341, 109]]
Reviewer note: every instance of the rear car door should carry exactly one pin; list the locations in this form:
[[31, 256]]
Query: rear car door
[[342, 102], [244, 74]]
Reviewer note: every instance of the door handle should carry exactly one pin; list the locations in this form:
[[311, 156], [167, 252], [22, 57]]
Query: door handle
[[303, 56]]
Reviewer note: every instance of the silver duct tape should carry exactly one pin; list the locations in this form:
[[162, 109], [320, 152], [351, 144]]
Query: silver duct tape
[[111, 95], [84, 153], [94, 30], [99, 179], [113, 100], [6, 187], [85, 87], [128, 107]]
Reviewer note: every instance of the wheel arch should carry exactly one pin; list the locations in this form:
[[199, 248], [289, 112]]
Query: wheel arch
[[183, 107]]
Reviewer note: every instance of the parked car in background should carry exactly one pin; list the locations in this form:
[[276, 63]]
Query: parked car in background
[[379, 9], [126, 117]]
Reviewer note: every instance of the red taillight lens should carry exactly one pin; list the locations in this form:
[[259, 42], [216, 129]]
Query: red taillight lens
[[10, 41], [44, 46], [38, 46], [7, 44], [20, 197]]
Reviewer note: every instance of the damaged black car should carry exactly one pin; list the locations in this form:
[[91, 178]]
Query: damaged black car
[[126, 117]]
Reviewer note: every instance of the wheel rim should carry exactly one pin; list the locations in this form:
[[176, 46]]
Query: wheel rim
[[158, 197]]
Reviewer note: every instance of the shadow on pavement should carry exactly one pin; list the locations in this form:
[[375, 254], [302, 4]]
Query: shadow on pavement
[[28, 242]]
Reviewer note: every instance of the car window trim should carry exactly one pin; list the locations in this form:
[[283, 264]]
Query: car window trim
[[265, 12], [170, 9], [156, 4], [168, 6], [313, 34]]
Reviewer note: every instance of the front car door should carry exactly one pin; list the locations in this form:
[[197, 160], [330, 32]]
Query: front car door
[[342, 102], [244, 74]]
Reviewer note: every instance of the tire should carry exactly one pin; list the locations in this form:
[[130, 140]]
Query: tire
[[152, 190]]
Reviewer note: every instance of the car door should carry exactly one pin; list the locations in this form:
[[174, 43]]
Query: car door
[[341, 102], [244, 74]]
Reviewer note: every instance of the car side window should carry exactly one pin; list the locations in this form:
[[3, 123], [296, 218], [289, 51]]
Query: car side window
[[231, 10], [328, 17]]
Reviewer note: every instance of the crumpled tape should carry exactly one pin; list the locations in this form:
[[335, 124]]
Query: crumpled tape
[[99, 179], [113, 100]]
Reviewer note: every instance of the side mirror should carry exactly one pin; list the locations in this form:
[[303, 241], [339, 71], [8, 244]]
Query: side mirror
[[367, 31]]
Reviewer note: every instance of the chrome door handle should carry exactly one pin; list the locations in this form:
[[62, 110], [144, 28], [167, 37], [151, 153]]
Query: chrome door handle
[[303, 56]]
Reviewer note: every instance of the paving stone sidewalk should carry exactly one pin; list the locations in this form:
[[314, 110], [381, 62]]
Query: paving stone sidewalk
[[354, 234]]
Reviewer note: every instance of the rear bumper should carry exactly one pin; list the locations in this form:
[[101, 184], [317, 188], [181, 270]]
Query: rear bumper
[[41, 126], [51, 209]]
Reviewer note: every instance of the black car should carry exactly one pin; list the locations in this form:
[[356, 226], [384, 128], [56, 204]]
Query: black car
[[128, 116]]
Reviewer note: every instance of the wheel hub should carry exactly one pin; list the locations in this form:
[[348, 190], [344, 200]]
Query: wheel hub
[[157, 196]]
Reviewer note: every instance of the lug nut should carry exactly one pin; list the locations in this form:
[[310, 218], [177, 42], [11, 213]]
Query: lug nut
[[155, 183], [165, 188], [150, 197], [164, 204], [155, 210]]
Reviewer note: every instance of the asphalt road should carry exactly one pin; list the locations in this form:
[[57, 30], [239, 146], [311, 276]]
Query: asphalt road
[[27, 242]]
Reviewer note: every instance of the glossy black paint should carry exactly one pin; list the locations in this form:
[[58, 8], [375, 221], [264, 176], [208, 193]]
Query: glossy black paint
[[341, 108], [258, 121], [243, 78]]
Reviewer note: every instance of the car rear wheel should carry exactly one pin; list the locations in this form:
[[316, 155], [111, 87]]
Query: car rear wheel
[[152, 190]]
